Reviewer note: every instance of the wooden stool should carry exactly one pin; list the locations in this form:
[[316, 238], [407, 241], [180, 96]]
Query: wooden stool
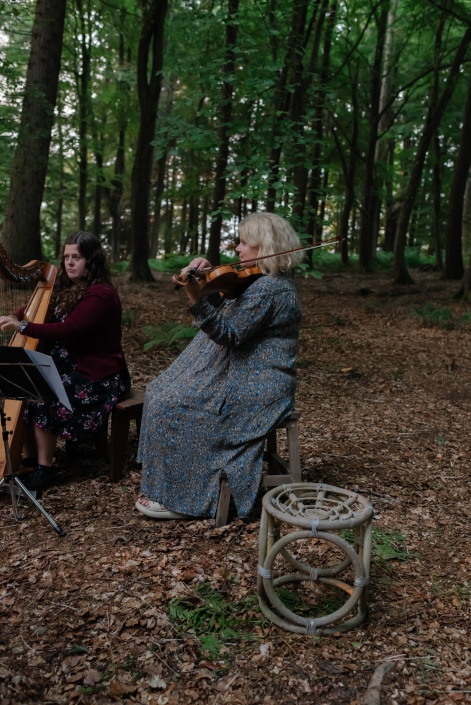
[[279, 472], [124, 412]]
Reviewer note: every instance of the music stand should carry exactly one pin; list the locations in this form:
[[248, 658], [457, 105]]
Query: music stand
[[26, 376]]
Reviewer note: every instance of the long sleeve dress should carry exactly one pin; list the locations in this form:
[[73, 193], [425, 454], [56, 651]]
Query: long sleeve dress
[[86, 348], [212, 408]]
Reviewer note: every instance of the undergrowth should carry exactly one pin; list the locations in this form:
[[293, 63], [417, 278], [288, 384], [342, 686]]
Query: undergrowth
[[385, 545], [213, 619], [433, 315], [168, 334], [323, 260], [330, 601]]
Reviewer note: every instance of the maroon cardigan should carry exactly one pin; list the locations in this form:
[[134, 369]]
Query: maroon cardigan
[[91, 333]]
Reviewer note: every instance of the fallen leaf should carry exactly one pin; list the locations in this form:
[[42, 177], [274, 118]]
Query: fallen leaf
[[92, 677], [158, 683]]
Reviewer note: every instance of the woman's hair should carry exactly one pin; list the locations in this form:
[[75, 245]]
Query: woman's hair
[[66, 293], [271, 233]]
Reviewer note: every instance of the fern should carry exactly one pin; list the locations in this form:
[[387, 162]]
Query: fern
[[168, 334], [209, 615]]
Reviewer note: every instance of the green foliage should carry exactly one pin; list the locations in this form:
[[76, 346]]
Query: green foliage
[[330, 601], [190, 118], [175, 263], [442, 317], [385, 545], [128, 317], [208, 614], [388, 545], [431, 314], [167, 334]]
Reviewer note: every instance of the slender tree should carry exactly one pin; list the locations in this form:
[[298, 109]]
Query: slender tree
[[149, 81], [434, 116], [225, 119], [21, 233], [368, 208], [454, 268]]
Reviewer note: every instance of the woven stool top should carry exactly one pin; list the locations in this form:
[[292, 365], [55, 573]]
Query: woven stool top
[[316, 506]]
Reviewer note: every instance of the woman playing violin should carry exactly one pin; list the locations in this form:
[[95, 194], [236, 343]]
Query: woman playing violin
[[212, 408]]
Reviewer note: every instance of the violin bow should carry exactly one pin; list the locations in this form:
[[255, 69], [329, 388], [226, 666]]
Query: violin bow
[[276, 254]]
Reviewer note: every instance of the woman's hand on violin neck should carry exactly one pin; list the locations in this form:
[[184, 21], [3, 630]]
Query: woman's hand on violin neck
[[199, 263], [10, 323]]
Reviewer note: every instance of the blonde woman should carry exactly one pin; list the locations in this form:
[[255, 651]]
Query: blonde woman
[[212, 408]]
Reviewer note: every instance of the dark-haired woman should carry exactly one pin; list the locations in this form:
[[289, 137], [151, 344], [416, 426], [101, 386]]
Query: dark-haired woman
[[83, 337]]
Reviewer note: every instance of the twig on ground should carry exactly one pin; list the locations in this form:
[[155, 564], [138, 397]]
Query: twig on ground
[[372, 695]]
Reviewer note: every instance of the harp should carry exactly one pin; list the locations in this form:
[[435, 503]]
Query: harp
[[31, 285]]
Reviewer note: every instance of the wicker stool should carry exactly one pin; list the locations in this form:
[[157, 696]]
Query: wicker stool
[[316, 511]]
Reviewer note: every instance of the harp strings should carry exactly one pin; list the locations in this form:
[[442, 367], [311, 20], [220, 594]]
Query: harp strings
[[12, 298]]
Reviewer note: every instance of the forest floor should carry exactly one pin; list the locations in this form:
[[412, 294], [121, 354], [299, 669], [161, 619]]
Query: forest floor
[[385, 400]]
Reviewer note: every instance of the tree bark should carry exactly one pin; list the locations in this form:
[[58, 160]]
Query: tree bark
[[437, 197], [224, 121], [149, 82], [299, 88], [83, 88], [383, 175], [349, 171], [21, 227], [454, 268], [368, 207], [293, 61], [60, 199], [318, 129], [159, 191], [204, 224], [466, 223], [401, 274]]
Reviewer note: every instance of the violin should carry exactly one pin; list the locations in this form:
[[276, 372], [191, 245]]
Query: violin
[[232, 280], [224, 279]]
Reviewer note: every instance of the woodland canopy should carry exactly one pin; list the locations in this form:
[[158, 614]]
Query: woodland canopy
[[159, 124]]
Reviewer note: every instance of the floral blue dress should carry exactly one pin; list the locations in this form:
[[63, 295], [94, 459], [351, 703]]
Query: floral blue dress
[[212, 408]]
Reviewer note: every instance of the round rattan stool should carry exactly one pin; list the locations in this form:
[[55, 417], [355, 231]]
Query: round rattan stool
[[329, 519]]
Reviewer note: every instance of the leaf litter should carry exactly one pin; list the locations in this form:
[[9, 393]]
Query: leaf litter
[[125, 609]]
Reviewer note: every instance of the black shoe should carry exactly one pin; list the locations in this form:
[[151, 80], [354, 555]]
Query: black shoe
[[40, 479]]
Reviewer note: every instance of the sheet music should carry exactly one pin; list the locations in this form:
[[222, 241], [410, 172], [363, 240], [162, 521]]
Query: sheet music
[[51, 375]]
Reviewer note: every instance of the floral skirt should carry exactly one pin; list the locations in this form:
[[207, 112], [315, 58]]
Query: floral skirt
[[92, 402]]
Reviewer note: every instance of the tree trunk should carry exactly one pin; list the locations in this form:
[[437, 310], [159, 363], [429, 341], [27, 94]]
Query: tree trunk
[[83, 88], [159, 191], [349, 171], [60, 199], [161, 171], [183, 230], [437, 197], [224, 122], [193, 224], [453, 268], [401, 274], [21, 227], [299, 87], [149, 82], [386, 119], [292, 61], [204, 224], [368, 207], [318, 130], [170, 209], [466, 225]]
